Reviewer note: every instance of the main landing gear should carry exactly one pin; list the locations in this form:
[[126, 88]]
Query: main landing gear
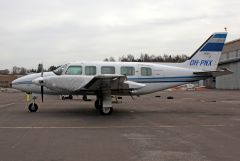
[[104, 103]]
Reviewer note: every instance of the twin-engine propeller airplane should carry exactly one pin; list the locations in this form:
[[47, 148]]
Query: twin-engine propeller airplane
[[104, 79]]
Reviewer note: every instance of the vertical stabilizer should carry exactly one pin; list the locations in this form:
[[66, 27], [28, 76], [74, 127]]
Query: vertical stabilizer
[[207, 56]]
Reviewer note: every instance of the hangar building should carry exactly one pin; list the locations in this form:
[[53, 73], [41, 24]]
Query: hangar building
[[230, 59]]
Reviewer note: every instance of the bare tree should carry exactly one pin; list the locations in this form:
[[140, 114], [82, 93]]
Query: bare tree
[[153, 58], [23, 71], [52, 68], [109, 59], [19, 70], [15, 70]]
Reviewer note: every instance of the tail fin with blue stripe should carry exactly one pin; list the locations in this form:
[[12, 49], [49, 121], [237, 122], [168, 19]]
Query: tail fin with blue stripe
[[207, 56]]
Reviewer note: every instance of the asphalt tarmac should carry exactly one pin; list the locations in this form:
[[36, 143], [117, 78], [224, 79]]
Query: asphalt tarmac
[[194, 126]]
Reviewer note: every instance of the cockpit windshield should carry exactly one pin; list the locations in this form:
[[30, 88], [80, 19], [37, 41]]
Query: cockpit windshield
[[60, 69]]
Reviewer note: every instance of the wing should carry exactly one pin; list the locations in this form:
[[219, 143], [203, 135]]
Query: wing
[[112, 82], [85, 84]]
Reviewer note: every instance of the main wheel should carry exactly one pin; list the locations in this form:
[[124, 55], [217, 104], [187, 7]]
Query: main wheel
[[84, 97], [33, 107], [106, 110], [97, 104]]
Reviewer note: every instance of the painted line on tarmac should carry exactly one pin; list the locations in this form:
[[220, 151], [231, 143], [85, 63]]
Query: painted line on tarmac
[[103, 127], [6, 105]]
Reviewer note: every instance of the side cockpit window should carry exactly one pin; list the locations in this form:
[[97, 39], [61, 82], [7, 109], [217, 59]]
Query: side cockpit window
[[60, 69], [74, 70]]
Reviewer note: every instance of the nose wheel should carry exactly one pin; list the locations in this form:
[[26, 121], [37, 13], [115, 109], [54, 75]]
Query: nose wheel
[[33, 107]]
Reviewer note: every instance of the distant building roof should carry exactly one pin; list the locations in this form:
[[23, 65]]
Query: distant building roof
[[231, 46], [231, 52]]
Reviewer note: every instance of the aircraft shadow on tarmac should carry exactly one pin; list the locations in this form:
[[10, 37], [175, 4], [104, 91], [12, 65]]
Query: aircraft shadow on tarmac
[[86, 111]]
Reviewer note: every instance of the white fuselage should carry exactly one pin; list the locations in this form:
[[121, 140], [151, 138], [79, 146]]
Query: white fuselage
[[156, 77]]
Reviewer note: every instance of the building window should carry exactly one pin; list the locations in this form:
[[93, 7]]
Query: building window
[[146, 71], [227, 55], [238, 54], [74, 70], [107, 70], [128, 71], [232, 54], [90, 70]]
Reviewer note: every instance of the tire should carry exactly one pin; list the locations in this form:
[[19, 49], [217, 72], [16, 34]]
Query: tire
[[106, 110], [97, 105], [84, 97], [33, 107]]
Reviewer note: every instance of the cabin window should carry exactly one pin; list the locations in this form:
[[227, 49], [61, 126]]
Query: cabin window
[[108, 70], [127, 70], [146, 71], [90, 70], [74, 70]]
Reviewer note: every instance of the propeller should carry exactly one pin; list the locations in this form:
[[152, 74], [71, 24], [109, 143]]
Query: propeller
[[42, 91]]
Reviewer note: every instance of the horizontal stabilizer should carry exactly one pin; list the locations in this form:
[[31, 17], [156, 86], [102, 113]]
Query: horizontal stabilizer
[[217, 73]]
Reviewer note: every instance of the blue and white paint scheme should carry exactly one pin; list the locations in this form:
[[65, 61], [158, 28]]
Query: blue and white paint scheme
[[104, 79]]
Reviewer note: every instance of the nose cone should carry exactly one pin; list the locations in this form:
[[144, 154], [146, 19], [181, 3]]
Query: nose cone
[[16, 84], [13, 84], [38, 81], [24, 83]]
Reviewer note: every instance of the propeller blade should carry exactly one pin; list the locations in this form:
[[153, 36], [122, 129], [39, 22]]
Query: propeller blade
[[42, 86], [42, 71], [42, 93]]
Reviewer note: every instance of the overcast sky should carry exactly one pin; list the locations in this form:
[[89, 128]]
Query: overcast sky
[[58, 31]]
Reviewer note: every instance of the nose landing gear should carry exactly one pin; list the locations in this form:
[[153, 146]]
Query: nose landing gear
[[33, 107]]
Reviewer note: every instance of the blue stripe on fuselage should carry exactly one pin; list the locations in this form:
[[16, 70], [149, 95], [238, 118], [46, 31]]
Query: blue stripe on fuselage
[[151, 77], [166, 79], [24, 82]]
